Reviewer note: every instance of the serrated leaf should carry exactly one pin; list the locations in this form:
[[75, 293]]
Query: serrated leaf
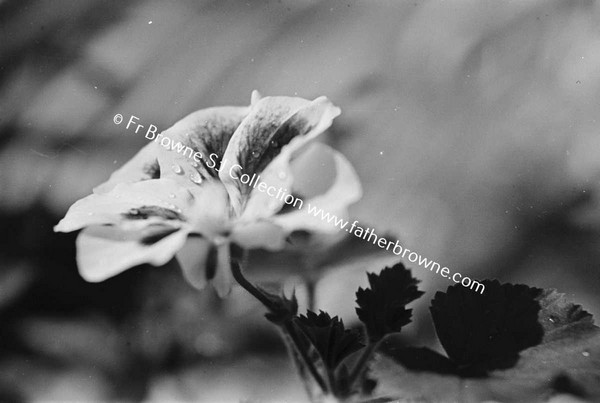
[[382, 306], [482, 332], [329, 337], [560, 317], [566, 359], [570, 365], [282, 308]]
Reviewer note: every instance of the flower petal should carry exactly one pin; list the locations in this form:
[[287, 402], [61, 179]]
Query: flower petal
[[196, 143], [105, 251], [345, 190], [192, 259], [223, 279], [210, 215], [143, 166], [264, 200], [314, 171], [273, 124], [311, 172], [159, 199], [172, 153]]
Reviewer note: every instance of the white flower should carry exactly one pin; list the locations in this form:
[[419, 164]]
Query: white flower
[[164, 204]]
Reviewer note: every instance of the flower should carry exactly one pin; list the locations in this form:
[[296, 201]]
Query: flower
[[166, 203]]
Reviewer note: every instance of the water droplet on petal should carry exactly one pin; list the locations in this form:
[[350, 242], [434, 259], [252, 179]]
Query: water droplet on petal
[[282, 175], [177, 169], [195, 177], [172, 195], [255, 154], [585, 354]]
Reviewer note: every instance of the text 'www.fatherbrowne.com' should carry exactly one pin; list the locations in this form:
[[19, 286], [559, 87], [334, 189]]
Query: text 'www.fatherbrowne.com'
[[369, 235], [284, 195]]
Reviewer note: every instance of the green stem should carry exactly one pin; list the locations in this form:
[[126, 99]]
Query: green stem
[[287, 327], [310, 293], [362, 362]]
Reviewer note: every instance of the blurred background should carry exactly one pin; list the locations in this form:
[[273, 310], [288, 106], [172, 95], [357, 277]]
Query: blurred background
[[472, 125]]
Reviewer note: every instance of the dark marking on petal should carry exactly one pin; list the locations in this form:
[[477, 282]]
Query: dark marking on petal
[[144, 212], [259, 153], [152, 170], [158, 235], [288, 208], [211, 263], [208, 133]]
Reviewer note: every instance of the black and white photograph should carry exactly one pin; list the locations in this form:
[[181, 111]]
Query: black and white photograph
[[300, 201]]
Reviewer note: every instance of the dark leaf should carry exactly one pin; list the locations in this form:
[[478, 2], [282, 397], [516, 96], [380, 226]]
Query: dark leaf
[[559, 317], [382, 306], [420, 359], [482, 332], [566, 359], [329, 337], [282, 308], [569, 365]]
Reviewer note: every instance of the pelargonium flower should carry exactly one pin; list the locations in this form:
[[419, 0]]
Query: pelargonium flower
[[164, 203]]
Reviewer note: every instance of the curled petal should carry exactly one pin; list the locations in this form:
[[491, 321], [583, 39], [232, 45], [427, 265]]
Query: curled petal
[[263, 202], [272, 124], [105, 251], [195, 145], [345, 190], [314, 171], [184, 148]]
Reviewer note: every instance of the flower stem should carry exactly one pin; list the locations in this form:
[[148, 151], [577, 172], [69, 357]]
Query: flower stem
[[287, 326], [361, 364], [248, 286]]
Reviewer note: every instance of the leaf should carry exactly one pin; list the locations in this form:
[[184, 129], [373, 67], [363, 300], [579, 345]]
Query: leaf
[[560, 317], [419, 358], [282, 308], [565, 359], [571, 365], [382, 306], [481, 332], [329, 337]]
